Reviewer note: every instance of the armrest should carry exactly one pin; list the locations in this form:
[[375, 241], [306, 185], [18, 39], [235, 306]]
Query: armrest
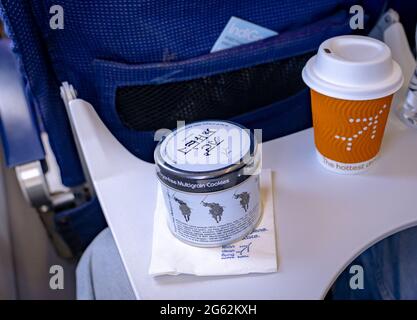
[[18, 129]]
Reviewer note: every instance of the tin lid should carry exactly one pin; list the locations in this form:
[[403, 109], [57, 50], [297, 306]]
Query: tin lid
[[205, 150]]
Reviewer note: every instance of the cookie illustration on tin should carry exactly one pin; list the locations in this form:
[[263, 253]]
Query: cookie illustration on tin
[[184, 208], [244, 198], [216, 210]]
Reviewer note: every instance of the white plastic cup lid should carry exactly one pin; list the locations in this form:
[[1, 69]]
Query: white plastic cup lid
[[353, 68]]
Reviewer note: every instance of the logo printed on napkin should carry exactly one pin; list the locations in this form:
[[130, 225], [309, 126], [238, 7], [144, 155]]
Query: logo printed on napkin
[[243, 248], [238, 32]]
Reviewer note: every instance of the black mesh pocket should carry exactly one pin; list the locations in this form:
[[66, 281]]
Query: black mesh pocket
[[222, 96]]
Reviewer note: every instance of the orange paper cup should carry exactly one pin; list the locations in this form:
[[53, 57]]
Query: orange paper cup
[[348, 133], [352, 81]]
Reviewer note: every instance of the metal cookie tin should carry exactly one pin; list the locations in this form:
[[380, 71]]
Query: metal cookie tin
[[209, 178]]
